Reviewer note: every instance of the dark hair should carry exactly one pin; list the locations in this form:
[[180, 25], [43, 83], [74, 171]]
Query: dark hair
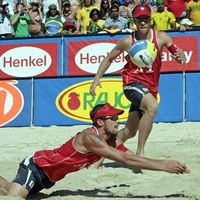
[[95, 10], [95, 110], [114, 7]]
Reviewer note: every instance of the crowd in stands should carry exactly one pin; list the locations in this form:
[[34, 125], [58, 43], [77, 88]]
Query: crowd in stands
[[33, 18]]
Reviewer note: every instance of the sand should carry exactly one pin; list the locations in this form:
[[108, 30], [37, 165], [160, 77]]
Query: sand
[[179, 141]]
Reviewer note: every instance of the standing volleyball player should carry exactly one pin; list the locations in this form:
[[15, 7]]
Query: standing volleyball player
[[140, 87]]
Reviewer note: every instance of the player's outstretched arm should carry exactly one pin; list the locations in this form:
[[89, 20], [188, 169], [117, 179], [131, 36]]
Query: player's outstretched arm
[[176, 53], [95, 144]]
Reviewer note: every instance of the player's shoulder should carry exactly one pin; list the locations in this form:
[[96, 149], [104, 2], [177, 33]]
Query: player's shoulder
[[125, 42]]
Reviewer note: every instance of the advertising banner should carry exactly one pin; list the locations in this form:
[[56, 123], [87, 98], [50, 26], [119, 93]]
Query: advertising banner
[[171, 107], [192, 97], [30, 57], [67, 101], [189, 43], [85, 54], [15, 103]]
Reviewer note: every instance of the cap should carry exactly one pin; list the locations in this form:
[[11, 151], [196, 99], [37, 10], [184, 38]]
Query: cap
[[186, 21], [69, 24], [140, 11], [159, 2], [66, 3], [107, 110], [52, 6]]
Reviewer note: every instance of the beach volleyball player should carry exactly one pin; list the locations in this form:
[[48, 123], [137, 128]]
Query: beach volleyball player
[[140, 86], [46, 167]]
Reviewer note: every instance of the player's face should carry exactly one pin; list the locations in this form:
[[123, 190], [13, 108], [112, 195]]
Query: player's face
[[143, 24], [111, 124]]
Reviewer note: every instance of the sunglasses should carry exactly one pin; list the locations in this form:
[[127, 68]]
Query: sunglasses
[[112, 118], [145, 20]]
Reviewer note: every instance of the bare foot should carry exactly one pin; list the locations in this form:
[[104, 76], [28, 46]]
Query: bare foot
[[3, 191]]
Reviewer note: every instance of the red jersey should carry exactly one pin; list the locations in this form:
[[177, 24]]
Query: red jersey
[[65, 159], [131, 73]]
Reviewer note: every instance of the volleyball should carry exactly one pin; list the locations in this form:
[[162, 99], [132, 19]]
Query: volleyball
[[143, 53]]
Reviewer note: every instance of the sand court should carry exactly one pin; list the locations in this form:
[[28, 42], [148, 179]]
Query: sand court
[[180, 141]]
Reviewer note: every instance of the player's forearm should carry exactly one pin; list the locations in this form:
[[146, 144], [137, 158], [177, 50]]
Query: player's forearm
[[105, 64], [146, 163]]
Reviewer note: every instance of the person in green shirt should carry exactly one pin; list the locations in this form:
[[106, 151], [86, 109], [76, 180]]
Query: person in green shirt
[[21, 20]]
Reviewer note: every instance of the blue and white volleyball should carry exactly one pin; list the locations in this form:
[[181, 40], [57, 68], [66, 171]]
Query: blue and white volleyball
[[143, 53]]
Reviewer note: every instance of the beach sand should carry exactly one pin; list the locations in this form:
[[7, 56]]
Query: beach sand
[[179, 141]]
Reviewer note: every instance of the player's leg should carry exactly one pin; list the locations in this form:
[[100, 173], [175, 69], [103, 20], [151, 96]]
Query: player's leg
[[131, 126], [16, 189], [149, 105], [3, 186], [3, 182]]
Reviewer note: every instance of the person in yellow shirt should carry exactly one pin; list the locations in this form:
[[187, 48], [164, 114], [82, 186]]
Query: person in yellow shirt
[[193, 12], [96, 24], [83, 16], [162, 19]]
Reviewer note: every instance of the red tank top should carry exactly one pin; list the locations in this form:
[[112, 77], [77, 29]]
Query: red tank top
[[66, 159], [131, 73]]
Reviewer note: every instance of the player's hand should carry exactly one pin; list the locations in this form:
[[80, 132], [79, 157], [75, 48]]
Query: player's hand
[[173, 166], [179, 56], [93, 87]]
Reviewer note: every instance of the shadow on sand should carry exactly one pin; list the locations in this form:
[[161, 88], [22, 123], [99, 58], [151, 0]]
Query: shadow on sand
[[100, 193]]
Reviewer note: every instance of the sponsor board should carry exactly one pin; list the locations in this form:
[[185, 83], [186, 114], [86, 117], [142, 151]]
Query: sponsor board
[[29, 60], [84, 57], [11, 101], [76, 101], [190, 48]]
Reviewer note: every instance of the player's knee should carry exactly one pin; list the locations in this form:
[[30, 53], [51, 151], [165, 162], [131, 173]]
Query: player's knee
[[125, 134]]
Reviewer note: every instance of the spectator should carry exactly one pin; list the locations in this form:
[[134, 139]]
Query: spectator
[[6, 30], [114, 21], [83, 15], [96, 24], [125, 10], [69, 28], [47, 3], [104, 9], [11, 6], [163, 19], [21, 20], [67, 12], [193, 12], [53, 21], [177, 7], [36, 13], [186, 23]]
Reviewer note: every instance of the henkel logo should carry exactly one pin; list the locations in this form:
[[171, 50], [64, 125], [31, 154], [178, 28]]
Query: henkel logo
[[11, 101], [25, 61], [76, 101], [89, 58]]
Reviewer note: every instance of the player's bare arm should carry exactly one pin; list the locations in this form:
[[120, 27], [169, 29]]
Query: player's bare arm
[[122, 45], [165, 40], [99, 146]]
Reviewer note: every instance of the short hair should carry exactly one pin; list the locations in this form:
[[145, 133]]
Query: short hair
[[95, 110]]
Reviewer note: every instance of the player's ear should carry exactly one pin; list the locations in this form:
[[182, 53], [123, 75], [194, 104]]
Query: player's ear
[[99, 122]]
